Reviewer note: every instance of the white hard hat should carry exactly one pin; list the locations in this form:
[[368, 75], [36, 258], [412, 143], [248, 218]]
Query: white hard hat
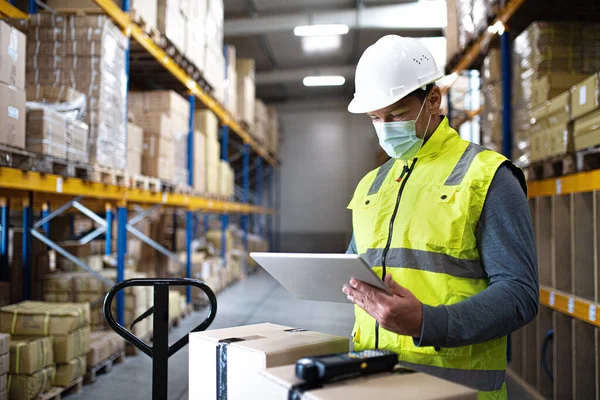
[[389, 70]]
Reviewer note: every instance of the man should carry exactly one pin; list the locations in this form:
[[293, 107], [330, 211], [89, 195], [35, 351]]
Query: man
[[445, 223]]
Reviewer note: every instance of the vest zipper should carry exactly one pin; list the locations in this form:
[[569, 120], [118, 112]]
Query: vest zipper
[[406, 171]]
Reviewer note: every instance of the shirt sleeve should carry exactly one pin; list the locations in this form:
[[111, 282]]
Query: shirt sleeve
[[352, 246], [506, 245]]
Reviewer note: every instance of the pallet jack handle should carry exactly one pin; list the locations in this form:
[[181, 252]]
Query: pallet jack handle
[[160, 350]]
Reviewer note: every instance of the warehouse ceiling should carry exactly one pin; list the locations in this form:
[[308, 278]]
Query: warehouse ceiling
[[264, 30]]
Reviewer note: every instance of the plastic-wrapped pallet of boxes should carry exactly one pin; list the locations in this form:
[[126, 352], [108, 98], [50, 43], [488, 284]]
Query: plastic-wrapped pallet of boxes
[[491, 89], [273, 130], [585, 103], [4, 364], [261, 121], [140, 10], [230, 84], [548, 59], [48, 345], [214, 59], [206, 122], [47, 132], [551, 133], [135, 145], [77, 141], [473, 18], [246, 89], [164, 117], [86, 53], [12, 86]]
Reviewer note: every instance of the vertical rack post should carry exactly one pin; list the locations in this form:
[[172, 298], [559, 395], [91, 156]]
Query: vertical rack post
[[109, 228], [45, 213], [33, 8], [189, 236], [26, 243], [121, 250], [246, 189], [224, 217], [4, 212], [270, 202], [259, 192], [190, 160], [506, 94]]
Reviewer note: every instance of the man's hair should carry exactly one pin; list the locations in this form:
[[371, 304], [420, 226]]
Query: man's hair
[[421, 93]]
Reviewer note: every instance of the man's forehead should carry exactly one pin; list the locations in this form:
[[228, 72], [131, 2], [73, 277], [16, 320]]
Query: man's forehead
[[404, 103]]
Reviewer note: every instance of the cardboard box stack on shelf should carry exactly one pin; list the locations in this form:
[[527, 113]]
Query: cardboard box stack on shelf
[[86, 53], [77, 141], [230, 95], [200, 162], [140, 10], [12, 86], [135, 146], [472, 17], [273, 134], [48, 345], [226, 179], [585, 101], [164, 116], [551, 132], [208, 124], [246, 90], [214, 59], [104, 345], [491, 90], [4, 364], [261, 122], [47, 132], [548, 59]]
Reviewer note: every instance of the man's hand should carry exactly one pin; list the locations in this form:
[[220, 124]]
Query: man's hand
[[400, 313]]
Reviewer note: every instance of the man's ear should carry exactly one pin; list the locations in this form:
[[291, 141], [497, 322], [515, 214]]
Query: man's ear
[[434, 100]]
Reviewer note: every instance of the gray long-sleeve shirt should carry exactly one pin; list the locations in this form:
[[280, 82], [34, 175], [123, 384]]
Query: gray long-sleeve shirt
[[507, 248]]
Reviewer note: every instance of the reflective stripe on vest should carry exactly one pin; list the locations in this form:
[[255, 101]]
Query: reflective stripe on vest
[[484, 380], [426, 261]]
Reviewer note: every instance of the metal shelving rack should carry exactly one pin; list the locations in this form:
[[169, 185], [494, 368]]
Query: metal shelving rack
[[40, 191]]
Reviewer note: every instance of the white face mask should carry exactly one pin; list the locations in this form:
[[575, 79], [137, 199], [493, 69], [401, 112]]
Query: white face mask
[[399, 139]]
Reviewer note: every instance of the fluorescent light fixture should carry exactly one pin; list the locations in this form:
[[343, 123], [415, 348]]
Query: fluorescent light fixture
[[321, 30], [316, 44], [334, 80]]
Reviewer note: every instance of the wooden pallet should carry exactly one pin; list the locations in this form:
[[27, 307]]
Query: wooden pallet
[[182, 189], [56, 393], [103, 368], [108, 176], [580, 161], [27, 161], [144, 183]]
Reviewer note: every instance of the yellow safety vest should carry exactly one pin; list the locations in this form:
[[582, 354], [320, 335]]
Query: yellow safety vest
[[417, 222]]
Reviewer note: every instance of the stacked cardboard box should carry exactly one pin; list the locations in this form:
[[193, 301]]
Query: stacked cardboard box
[[4, 364], [548, 58], [246, 89], [45, 334], [551, 132], [200, 161], [585, 101], [135, 145], [273, 134], [77, 141], [230, 84], [164, 117], [491, 90], [144, 10], [214, 59], [103, 345], [261, 121], [206, 122], [12, 86], [226, 179], [86, 53], [47, 132]]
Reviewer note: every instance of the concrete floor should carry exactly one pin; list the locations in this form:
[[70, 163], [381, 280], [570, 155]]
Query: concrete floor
[[257, 299]]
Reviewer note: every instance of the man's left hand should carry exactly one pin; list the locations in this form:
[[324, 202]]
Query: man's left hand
[[400, 312]]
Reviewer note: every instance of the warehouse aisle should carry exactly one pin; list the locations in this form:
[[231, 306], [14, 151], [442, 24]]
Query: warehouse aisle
[[256, 299]]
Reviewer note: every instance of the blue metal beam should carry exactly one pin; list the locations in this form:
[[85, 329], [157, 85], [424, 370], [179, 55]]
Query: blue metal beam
[[4, 212], [189, 235], [507, 137], [109, 228], [259, 192], [26, 245], [224, 217], [206, 223], [33, 8], [246, 188], [45, 214], [192, 100], [121, 250]]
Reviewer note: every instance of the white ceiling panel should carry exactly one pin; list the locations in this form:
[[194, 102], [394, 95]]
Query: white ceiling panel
[[285, 6]]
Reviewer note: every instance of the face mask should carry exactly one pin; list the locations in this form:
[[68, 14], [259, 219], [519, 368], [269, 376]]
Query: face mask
[[399, 139]]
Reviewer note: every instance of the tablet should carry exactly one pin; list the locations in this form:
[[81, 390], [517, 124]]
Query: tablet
[[318, 277]]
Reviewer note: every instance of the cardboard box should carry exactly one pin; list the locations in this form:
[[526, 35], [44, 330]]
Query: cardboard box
[[207, 123], [275, 383], [552, 85], [199, 162], [69, 372], [77, 141], [4, 343], [35, 318], [52, 94], [12, 56], [29, 387], [256, 347], [3, 382], [586, 130], [157, 123], [73, 345], [245, 67], [246, 91], [47, 132], [585, 96], [4, 364], [134, 163], [28, 355], [104, 344], [159, 101], [12, 116], [135, 137]]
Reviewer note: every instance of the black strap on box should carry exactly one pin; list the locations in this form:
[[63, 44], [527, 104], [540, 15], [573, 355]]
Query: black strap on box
[[160, 350], [296, 391], [222, 366]]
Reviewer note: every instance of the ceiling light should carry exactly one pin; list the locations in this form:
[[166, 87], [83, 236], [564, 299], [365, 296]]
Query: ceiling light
[[321, 30], [334, 80], [315, 44]]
